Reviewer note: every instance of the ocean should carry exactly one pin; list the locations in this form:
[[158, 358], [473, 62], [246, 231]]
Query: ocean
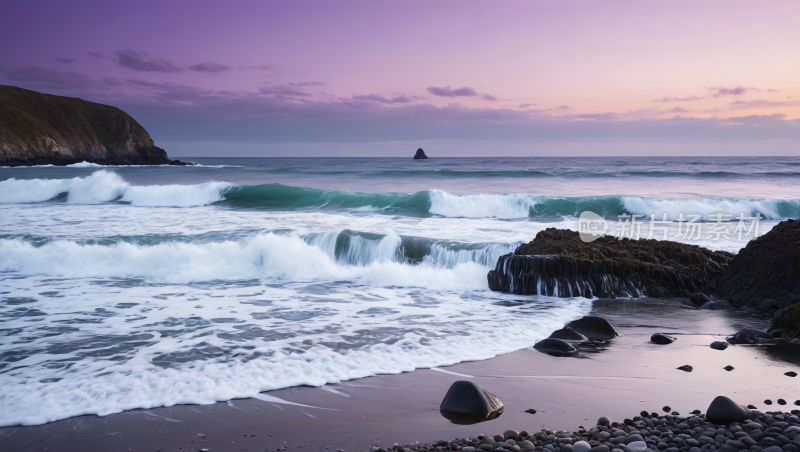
[[139, 287]]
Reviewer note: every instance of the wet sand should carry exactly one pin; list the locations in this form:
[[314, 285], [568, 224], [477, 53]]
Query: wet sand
[[617, 380]]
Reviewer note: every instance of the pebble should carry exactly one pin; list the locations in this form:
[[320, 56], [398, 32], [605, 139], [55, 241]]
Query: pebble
[[667, 409], [791, 374], [686, 368], [719, 345], [728, 368], [768, 402]]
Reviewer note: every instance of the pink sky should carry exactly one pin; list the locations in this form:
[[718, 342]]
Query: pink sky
[[519, 77]]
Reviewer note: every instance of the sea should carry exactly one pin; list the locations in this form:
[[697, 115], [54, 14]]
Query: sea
[[137, 287]]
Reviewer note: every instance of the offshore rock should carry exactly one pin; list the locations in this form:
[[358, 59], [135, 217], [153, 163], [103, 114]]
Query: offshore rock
[[42, 129], [420, 155], [555, 347], [749, 336], [594, 328], [786, 323], [661, 339], [558, 263], [765, 275], [468, 403], [724, 411]]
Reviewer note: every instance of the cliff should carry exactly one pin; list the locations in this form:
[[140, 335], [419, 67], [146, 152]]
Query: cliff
[[40, 129], [558, 263]]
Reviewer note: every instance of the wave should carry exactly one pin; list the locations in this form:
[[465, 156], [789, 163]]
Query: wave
[[105, 186]]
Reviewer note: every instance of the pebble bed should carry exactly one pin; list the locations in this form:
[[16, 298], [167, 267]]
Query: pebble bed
[[773, 431]]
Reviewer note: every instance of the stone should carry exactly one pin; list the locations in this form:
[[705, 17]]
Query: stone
[[719, 345], [530, 411], [764, 276], [635, 437], [603, 421], [661, 339], [718, 305], [768, 402], [555, 347], [511, 434], [699, 299], [773, 449], [601, 448], [636, 445], [581, 446], [666, 409], [724, 411], [752, 407], [749, 336], [467, 449], [781, 402], [524, 446], [728, 368], [568, 334], [468, 403], [791, 374], [420, 155], [686, 368], [559, 263], [594, 328]]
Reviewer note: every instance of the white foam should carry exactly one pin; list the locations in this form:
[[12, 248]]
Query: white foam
[[104, 186], [768, 208], [84, 164], [480, 206]]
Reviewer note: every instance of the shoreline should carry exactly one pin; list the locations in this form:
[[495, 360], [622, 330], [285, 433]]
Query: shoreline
[[615, 380]]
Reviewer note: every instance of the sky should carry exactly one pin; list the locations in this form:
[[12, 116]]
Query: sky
[[381, 78]]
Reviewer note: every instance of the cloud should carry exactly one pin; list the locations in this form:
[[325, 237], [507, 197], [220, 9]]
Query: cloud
[[98, 55], [678, 99], [737, 91], [678, 110], [772, 90], [526, 105], [40, 78], [307, 84], [446, 91], [140, 61], [488, 97], [209, 66], [762, 103], [281, 90], [400, 99], [65, 60]]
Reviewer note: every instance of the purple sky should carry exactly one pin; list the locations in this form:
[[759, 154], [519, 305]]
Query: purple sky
[[455, 77]]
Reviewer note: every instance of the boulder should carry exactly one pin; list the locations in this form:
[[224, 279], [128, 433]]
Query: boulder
[[568, 334], [699, 299], [724, 411], [594, 328], [749, 336], [765, 275], [718, 305], [555, 347], [719, 345], [581, 446], [661, 339], [468, 403], [686, 368], [558, 263], [420, 155], [786, 323]]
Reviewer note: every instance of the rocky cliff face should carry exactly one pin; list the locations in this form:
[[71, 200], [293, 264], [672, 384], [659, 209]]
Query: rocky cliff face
[[39, 129], [765, 275], [558, 263]]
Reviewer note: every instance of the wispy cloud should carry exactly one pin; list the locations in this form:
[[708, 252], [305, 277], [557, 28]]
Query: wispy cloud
[[307, 84], [722, 91], [399, 99], [678, 99], [678, 110], [526, 105], [65, 60], [40, 78], [446, 91], [209, 66], [762, 103], [141, 61], [281, 90]]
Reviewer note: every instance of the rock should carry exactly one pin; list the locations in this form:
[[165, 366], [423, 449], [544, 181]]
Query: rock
[[699, 299], [634, 438], [752, 407], [719, 345], [555, 347], [558, 263], [581, 446], [525, 446], [773, 449], [728, 368], [786, 321], [42, 129], [764, 275], [568, 334], [666, 409], [718, 305], [636, 445], [594, 328], [661, 339], [510, 434], [468, 403], [768, 402], [791, 374], [530, 411], [781, 402], [686, 368], [749, 336], [724, 411], [603, 421], [420, 155]]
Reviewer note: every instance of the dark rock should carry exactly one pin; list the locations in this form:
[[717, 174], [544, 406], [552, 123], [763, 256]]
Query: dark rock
[[603, 421], [661, 339], [644, 414], [752, 407], [530, 410], [768, 402], [728, 368], [791, 374], [699, 299], [765, 274], [420, 155], [786, 321], [718, 305], [686, 368], [725, 411], [666, 409], [749, 336], [468, 403], [594, 328], [568, 334], [43, 129], [719, 345], [781, 402], [555, 347], [510, 434], [797, 402], [558, 263]]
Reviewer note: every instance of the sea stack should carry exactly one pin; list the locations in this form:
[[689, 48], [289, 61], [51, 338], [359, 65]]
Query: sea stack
[[420, 155]]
